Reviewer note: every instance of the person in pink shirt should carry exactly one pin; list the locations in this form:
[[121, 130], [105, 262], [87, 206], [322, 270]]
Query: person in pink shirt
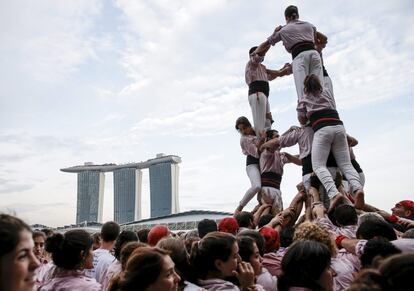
[[249, 144], [318, 106], [71, 254], [298, 38], [17, 259], [257, 77]]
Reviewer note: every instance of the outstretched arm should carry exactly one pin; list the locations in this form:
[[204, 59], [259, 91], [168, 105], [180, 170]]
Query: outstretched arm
[[284, 71], [293, 159]]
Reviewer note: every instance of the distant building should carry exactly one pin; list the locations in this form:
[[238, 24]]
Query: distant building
[[90, 196], [164, 173]]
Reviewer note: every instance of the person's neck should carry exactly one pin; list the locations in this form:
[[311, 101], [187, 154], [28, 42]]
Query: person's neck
[[107, 245]]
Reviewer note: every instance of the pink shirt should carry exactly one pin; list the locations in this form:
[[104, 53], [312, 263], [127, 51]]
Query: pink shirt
[[303, 136], [255, 71], [272, 162], [310, 104], [349, 231], [294, 32], [249, 145], [267, 280], [345, 265], [114, 269], [273, 263], [70, 281]]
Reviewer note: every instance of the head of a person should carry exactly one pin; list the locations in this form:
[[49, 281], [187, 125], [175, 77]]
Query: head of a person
[[206, 226], [404, 209], [369, 216], [149, 269], [244, 126], [306, 264], [39, 239], [178, 254], [215, 255], [271, 237], [17, 259], [258, 238], [312, 85], [110, 231], [71, 250], [291, 13], [377, 248], [123, 238], [97, 240], [264, 219], [229, 225], [345, 215], [249, 252], [312, 231], [286, 236], [375, 228], [398, 271], [47, 231], [128, 249], [143, 235], [252, 49], [245, 219], [157, 233]]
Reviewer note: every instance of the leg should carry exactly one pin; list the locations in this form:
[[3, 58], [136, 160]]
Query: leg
[[269, 118], [315, 66], [257, 103], [300, 71], [253, 173]]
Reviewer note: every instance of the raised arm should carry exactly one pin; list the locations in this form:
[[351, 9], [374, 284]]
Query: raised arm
[[284, 71], [293, 159]]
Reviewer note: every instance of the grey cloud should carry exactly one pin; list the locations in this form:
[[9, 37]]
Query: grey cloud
[[9, 186]]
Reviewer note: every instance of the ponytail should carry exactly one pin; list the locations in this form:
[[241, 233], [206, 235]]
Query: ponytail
[[312, 85]]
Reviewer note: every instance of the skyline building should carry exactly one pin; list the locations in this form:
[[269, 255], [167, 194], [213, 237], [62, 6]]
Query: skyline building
[[164, 176]]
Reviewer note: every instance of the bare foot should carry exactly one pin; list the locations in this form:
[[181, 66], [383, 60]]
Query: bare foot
[[238, 210]]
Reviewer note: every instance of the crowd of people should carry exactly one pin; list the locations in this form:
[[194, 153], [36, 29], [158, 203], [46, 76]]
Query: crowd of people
[[328, 238]]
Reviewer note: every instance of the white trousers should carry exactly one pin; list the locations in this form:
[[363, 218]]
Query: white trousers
[[272, 196], [259, 104], [253, 172], [306, 63], [333, 138], [348, 188]]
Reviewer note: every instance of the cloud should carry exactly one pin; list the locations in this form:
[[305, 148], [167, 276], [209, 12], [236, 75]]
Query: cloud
[[9, 186]]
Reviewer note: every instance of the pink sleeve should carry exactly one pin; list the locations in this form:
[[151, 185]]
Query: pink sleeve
[[249, 147], [289, 139], [274, 38]]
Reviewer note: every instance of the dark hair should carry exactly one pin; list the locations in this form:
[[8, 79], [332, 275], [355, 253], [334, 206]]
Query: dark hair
[[214, 246], [286, 236], [368, 280], [66, 248], [291, 12], [10, 228], [244, 219], [143, 235], [345, 215], [206, 226], [258, 238], [264, 219], [127, 250], [270, 133], [312, 85], [39, 233], [377, 247], [246, 247], [372, 228], [123, 238], [242, 120], [179, 255], [251, 50], [47, 231], [399, 271], [142, 269], [110, 231], [303, 264]]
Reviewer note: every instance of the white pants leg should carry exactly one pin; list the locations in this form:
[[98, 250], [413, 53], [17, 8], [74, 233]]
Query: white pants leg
[[253, 173], [268, 122], [272, 196], [306, 181], [306, 63], [258, 102], [324, 140]]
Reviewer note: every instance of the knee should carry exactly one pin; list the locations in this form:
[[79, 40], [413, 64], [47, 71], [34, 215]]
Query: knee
[[256, 188]]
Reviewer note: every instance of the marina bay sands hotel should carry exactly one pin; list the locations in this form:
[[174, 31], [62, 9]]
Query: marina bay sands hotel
[[163, 171]]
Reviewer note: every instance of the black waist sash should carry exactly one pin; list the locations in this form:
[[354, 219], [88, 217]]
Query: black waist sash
[[301, 47], [270, 179], [250, 160], [307, 163], [259, 86], [324, 118]]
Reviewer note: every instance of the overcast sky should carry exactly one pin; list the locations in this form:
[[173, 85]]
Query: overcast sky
[[120, 81]]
